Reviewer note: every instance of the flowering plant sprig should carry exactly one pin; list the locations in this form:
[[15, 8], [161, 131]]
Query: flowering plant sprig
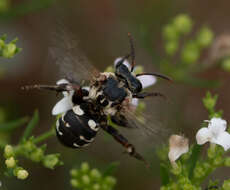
[[183, 51], [8, 50], [27, 148], [85, 178], [186, 168]]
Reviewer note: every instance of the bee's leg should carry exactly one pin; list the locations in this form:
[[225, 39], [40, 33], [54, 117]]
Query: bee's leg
[[147, 94], [57, 88], [124, 142], [156, 75], [120, 120]]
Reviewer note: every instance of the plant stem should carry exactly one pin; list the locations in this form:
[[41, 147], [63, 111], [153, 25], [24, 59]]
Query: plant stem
[[44, 136], [33, 122]]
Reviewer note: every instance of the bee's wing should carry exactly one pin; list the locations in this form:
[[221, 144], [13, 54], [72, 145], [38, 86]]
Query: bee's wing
[[65, 52], [147, 122]]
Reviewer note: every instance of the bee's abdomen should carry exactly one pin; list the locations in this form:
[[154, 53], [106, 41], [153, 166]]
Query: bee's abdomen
[[76, 128]]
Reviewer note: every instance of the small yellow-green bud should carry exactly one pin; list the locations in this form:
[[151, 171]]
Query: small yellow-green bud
[[29, 146], [85, 167], [171, 47], [74, 183], [226, 64], [22, 174], [110, 180], [183, 23], [4, 5], [50, 161], [74, 172], [95, 174], [8, 151], [199, 172], [205, 37], [9, 50], [10, 162], [2, 44], [190, 53], [227, 162], [96, 186], [226, 185], [177, 169], [85, 179], [37, 155], [218, 161], [170, 33]]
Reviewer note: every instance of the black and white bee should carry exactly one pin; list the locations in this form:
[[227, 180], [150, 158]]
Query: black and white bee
[[85, 109]]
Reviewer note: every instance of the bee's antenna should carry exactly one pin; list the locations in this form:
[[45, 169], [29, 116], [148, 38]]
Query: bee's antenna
[[132, 53], [156, 75]]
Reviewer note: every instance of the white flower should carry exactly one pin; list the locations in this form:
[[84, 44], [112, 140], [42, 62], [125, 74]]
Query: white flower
[[178, 145], [146, 80], [65, 103], [214, 133]]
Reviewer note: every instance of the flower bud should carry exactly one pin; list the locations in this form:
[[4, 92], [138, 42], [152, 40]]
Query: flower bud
[[2, 44], [171, 47], [8, 151], [226, 185], [51, 160], [205, 37], [170, 33], [74, 172], [226, 64], [190, 53], [9, 50], [84, 167], [37, 155], [22, 174], [96, 186], [227, 162], [183, 23], [74, 183], [10, 162], [85, 179], [95, 174], [110, 180]]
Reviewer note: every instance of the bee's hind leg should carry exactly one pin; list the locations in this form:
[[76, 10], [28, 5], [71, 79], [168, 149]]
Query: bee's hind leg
[[124, 142]]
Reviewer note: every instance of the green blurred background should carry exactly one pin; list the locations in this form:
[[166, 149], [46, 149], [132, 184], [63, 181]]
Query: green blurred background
[[101, 28]]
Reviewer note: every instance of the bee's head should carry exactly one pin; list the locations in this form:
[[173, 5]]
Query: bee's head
[[122, 71]]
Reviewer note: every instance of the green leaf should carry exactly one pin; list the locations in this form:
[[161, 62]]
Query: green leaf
[[5, 127], [164, 172], [111, 169], [33, 122], [193, 159]]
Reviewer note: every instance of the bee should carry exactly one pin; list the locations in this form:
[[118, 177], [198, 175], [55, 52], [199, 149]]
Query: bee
[[85, 110]]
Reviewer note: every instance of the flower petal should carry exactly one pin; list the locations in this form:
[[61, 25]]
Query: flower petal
[[63, 105], [217, 126], [147, 80], [135, 102], [63, 81], [203, 135], [125, 62], [178, 145], [223, 139]]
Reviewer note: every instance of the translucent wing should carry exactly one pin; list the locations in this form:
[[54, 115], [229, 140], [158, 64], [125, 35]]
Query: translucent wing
[[65, 52]]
